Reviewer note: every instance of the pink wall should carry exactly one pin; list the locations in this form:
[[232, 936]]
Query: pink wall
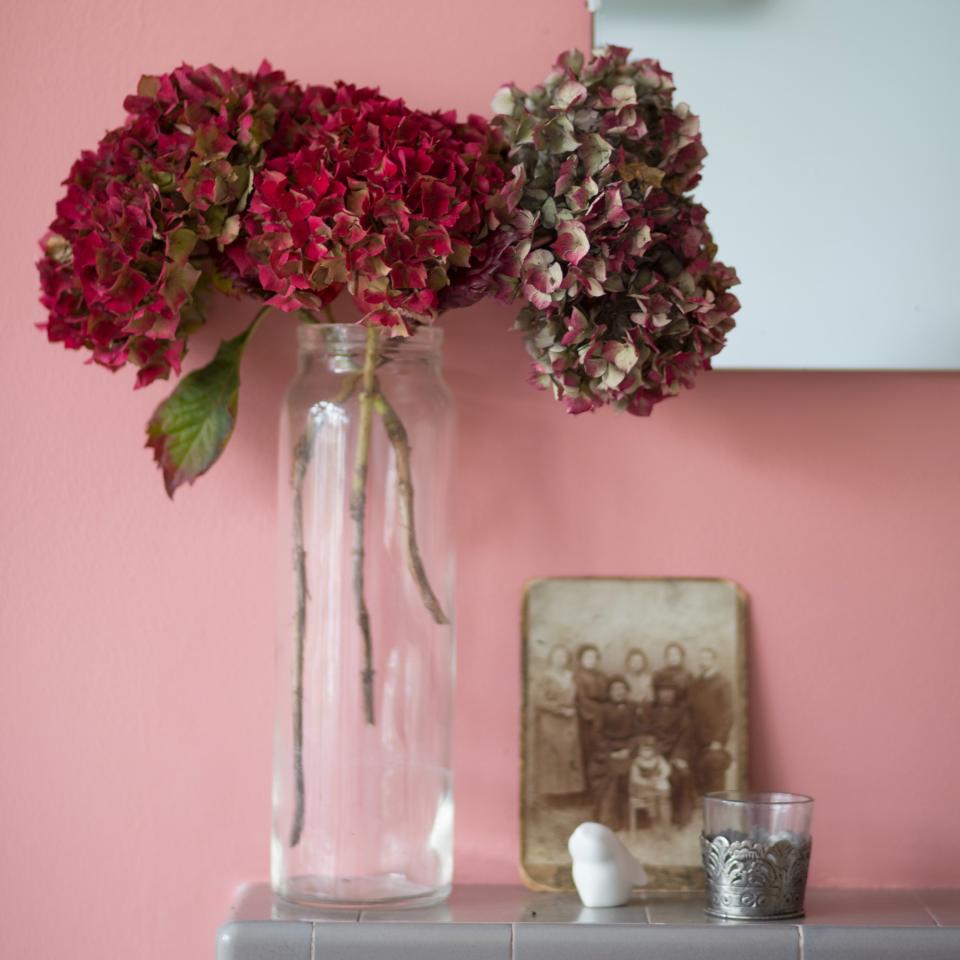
[[137, 634]]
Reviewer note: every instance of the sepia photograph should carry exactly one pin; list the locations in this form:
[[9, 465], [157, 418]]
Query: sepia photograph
[[634, 709]]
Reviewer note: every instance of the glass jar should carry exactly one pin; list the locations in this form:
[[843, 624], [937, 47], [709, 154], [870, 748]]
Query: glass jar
[[742, 815], [362, 795]]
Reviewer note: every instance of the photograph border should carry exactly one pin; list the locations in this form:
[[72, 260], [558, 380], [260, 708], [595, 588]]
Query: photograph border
[[559, 878]]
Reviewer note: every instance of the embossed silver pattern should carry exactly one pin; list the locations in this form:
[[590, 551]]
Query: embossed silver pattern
[[751, 880]]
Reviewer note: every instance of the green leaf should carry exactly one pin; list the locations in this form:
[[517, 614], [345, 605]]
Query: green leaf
[[264, 121], [557, 135], [180, 244], [437, 279], [179, 283], [595, 153], [523, 130], [191, 428], [215, 217], [219, 280]]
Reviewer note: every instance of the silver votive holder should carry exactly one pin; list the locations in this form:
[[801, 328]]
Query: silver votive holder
[[756, 853]]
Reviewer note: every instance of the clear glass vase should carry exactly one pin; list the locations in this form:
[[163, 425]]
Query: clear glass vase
[[362, 797]]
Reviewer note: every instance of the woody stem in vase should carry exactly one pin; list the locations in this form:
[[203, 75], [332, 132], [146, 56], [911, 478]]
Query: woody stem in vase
[[358, 513], [301, 461], [397, 434]]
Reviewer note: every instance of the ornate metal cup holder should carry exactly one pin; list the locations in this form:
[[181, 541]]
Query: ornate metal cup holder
[[748, 879]]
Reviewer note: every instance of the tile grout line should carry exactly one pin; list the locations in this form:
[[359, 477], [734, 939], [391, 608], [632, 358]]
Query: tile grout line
[[800, 941], [926, 909], [513, 934], [313, 940]]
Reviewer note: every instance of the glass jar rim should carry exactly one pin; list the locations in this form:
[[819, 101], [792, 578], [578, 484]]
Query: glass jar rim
[[748, 798], [353, 336]]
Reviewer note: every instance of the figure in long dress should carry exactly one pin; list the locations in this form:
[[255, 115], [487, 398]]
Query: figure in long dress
[[591, 684], [559, 769], [639, 677]]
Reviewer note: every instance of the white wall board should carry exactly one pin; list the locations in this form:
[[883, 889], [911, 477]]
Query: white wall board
[[833, 131]]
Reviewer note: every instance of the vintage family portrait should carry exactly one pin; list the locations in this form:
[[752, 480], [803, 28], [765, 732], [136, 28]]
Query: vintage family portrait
[[634, 708]]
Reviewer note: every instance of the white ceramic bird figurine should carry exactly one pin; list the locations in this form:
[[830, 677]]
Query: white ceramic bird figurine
[[604, 870]]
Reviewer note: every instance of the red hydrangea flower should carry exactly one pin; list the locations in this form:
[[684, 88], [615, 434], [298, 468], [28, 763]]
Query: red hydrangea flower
[[625, 301], [387, 202], [147, 214]]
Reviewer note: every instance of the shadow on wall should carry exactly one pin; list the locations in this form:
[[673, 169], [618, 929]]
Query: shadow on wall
[[268, 368], [703, 11], [485, 366], [797, 420], [811, 422], [519, 450]]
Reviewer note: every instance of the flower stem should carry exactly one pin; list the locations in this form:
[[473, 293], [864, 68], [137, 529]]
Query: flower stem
[[358, 512], [301, 460], [397, 434]]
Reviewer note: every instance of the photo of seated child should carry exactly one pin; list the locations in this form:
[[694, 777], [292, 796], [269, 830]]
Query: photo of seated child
[[650, 786]]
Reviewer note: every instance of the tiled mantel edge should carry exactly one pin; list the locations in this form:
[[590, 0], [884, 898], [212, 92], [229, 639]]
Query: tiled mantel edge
[[506, 923]]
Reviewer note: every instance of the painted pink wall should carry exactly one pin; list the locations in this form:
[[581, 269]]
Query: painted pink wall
[[137, 634]]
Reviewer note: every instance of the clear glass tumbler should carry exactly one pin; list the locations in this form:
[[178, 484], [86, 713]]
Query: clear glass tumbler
[[362, 796], [756, 854]]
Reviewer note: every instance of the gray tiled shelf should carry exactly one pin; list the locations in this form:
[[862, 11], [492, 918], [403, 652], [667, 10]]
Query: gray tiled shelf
[[511, 923]]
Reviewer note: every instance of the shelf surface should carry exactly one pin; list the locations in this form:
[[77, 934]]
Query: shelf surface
[[512, 923]]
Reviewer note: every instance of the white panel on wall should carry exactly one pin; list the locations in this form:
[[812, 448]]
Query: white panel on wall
[[834, 149]]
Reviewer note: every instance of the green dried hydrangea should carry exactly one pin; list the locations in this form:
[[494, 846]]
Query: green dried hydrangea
[[624, 299]]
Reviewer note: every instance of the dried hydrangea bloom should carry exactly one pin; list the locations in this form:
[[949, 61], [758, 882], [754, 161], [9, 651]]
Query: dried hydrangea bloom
[[624, 299], [148, 214], [387, 202]]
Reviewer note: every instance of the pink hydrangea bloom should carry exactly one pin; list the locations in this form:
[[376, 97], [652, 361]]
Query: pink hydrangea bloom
[[146, 216], [387, 202]]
